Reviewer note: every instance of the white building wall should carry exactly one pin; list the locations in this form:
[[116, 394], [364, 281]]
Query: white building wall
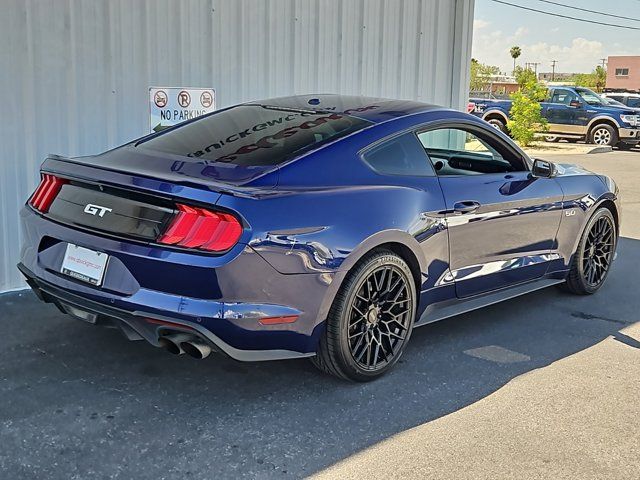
[[75, 73]]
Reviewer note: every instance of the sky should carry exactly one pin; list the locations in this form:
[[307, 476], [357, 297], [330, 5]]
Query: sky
[[577, 46]]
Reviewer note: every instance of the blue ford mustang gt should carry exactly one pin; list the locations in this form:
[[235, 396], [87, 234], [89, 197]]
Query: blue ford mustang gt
[[311, 226]]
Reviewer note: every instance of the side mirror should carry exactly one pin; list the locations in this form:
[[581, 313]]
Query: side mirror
[[543, 169], [575, 104]]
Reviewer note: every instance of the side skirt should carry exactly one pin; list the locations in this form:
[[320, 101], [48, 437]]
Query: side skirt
[[451, 308]]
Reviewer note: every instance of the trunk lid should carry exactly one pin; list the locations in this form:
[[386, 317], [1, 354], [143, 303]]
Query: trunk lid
[[133, 196], [181, 170]]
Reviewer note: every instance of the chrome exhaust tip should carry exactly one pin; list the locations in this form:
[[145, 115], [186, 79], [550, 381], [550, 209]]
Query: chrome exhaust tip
[[196, 348], [172, 343]]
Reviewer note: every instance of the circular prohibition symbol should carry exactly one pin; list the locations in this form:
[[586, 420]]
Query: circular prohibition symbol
[[184, 99], [206, 99], [160, 99]]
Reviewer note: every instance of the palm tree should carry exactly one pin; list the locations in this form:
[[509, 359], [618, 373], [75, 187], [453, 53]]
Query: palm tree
[[515, 53]]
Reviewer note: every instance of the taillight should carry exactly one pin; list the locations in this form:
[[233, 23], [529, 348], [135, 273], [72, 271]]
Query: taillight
[[195, 227], [46, 192]]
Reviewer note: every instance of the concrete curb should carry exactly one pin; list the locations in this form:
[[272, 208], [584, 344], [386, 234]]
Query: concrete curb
[[603, 149]]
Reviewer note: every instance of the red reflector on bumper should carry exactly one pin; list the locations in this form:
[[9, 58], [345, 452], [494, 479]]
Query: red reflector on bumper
[[278, 320]]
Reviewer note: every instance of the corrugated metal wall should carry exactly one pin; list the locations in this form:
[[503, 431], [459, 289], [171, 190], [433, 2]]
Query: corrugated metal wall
[[75, 73]]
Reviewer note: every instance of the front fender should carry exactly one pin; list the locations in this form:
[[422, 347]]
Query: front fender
[[584, 194]]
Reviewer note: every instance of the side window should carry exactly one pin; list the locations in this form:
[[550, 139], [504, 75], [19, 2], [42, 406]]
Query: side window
[[455, 151], [564, 97], [633, 102], [401, 155]]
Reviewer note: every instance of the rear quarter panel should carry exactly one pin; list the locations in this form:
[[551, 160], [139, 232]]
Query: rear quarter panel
[[330, 209], [484, 107]]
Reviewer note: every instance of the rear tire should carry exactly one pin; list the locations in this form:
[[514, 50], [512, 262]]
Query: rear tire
[[370, 320], [592, 261], [603, 135], [625, 146], [499, 125], [551, 139]]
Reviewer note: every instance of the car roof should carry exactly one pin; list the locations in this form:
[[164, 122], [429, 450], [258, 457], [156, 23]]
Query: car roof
[[373, 109], [622, 94]]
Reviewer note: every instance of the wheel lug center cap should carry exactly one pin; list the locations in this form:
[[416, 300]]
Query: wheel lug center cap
[[372, 315]]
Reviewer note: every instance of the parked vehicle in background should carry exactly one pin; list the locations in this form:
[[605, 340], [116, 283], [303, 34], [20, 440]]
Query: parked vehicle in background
[[489, 95], [629, 99], [616, 103], [573, 113]]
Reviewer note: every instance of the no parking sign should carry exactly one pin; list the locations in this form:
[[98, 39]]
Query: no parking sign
[[171, 105]]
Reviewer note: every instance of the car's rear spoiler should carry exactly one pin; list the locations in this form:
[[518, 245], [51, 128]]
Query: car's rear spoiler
[[159, 180]]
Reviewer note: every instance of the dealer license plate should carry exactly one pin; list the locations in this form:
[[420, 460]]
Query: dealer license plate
[[84, 264]]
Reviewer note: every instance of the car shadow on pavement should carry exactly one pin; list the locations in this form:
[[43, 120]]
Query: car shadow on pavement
[[82, 401]]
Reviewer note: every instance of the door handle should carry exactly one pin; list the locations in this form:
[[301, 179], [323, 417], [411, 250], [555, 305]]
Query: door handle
[[468, 206]]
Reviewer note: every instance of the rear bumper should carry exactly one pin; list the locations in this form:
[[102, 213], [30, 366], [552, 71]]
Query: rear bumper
[[222, 298], [138, 325]]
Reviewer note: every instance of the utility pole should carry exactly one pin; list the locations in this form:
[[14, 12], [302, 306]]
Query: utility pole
[[553, 70], [604, 62], [535, 67]]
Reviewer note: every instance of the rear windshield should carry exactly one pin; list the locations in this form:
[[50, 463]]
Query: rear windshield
[[255, 135]]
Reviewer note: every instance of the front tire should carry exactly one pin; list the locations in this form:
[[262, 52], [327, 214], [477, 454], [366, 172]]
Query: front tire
[[592, 261], [603, 135], [370, 321]]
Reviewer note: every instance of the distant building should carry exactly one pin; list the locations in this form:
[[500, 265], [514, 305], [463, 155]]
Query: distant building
[[499, 86], [623, 73], [557, 77]]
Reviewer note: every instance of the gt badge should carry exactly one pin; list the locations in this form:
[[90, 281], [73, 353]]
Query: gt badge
[[96, 210]]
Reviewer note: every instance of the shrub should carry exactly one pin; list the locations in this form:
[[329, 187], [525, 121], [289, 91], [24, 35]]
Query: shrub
[[525, 117]]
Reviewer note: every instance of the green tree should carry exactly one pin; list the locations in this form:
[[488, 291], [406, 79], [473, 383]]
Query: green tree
[[515, 53], [525, 116], [596, 80], [525, 77], [480, 77], [601, 78]]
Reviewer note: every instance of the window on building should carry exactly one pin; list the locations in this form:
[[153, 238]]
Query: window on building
[[622, 72]]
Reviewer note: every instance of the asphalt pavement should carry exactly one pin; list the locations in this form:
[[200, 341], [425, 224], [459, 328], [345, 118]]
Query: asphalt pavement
[[544, 386]]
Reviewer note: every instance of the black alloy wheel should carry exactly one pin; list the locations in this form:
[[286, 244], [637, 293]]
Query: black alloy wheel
[[593, 259], [379, 318], [598, 251], [371, 319]]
